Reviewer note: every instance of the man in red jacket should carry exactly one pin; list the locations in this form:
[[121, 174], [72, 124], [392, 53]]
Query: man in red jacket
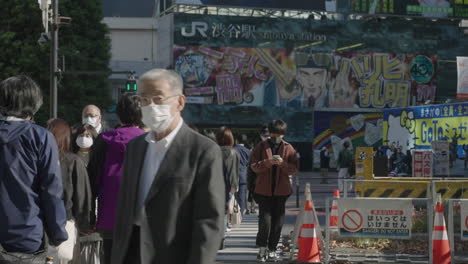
[[273, 161]]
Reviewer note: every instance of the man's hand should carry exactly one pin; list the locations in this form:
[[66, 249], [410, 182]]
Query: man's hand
[[270, 162]]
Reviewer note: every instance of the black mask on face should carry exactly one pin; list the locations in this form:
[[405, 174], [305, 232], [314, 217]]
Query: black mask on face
[[275, 140]]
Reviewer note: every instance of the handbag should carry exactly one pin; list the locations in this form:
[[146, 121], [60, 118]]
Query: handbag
[[236, 216], [231, 204], [65, 250]]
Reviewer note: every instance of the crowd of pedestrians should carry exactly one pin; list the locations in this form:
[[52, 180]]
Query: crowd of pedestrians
[[155, 190]]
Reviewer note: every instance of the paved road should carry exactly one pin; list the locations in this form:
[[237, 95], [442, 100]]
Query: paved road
[[240, 242]]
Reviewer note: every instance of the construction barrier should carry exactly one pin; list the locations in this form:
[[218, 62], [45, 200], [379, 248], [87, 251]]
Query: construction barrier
[[367, 222], [399, 187]]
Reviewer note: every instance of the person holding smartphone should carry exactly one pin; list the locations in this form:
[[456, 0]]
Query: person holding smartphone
[[273, 161]]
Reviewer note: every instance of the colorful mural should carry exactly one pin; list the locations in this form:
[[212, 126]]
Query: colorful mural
[[332, 129], [261, 77], [368, 80], [225, 75]]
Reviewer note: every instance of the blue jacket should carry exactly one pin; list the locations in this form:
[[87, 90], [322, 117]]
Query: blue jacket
[[30, 188], [244, 154]]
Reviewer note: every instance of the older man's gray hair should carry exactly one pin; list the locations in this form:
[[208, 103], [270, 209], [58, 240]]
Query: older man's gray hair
[[172, 77]]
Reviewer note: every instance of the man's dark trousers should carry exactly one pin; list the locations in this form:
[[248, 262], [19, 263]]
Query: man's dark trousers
[[271, 220]]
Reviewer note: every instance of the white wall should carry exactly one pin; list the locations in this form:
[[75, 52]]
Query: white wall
[[133, 39]]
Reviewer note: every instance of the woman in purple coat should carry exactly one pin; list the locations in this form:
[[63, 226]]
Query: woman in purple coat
[[105, 166]]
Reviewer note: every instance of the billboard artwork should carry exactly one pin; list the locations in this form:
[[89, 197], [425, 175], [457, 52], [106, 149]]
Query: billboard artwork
[[424, 8], [225, 75], [418, 127], [332, 129], [369, 80], [270, 77], [319, 5]]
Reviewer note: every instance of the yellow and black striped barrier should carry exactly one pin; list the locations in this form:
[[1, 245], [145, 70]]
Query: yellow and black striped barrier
[[411, 188]]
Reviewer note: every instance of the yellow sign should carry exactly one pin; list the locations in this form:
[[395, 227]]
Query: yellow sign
[[364, 158], [439, 129]]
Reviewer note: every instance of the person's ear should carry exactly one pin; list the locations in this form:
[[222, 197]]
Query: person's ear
[[181, 103]]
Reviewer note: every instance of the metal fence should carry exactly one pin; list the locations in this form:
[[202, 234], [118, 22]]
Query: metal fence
[[454, 228]]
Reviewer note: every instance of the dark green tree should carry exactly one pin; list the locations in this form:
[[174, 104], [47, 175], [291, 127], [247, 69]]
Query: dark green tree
[[20, 53], [84, 45]]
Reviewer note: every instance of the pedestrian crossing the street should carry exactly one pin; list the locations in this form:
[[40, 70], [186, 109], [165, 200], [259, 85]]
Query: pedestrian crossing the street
[[240, 243]]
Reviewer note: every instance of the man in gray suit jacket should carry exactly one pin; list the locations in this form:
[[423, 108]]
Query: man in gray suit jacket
[[171, 204]]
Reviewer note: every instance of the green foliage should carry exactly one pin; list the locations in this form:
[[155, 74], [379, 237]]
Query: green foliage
[[84, 44], [20, 28], [86, 47]]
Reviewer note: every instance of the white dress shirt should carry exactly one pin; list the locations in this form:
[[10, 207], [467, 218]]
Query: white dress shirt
[[154, 156]]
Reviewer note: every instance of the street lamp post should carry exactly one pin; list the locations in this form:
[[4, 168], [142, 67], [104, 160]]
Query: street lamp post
[[53, 59]]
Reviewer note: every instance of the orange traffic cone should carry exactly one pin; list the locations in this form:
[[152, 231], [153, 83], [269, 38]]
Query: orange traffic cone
[[334, 210], [308, 242], [440, 243]]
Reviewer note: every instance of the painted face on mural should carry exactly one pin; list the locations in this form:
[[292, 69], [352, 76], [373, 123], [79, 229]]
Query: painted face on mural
[[313, 81]]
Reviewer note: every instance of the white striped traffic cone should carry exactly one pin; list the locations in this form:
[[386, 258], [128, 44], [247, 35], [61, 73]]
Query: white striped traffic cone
[[309, 251], [334, 210], [440, 243]]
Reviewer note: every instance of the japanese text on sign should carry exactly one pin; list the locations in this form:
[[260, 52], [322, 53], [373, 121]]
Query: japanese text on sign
[[422, 163], [375, 217]]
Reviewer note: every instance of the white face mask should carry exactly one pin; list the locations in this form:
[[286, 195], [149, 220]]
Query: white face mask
[[92, 121], [84, 142], [157, 117]]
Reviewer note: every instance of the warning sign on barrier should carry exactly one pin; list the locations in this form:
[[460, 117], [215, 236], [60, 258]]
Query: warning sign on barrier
[[374, 217], [464, 219]]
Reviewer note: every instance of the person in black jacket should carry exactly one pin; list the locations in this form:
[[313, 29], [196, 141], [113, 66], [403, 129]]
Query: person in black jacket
[[225, 140], [32, 212], [76, 188], [244, 154], [324, 164]]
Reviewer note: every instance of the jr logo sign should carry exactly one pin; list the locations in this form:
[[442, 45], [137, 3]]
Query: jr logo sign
[[200, 27]]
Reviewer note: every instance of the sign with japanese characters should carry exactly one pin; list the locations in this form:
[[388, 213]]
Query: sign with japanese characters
[[464, 219], [462, 69], [422, 163], [227, 75], [422, 8], [418, 127], [375, 217], [364, 157], [441, 158]]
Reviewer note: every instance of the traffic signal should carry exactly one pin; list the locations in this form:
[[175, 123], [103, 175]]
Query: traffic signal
[[131, 85]]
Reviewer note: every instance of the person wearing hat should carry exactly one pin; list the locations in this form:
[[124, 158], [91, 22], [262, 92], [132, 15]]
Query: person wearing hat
[[324, 165]]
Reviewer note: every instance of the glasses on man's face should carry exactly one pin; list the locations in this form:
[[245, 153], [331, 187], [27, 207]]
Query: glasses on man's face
[[157, 100]]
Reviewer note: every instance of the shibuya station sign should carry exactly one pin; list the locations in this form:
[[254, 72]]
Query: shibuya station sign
[[242, 31]]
